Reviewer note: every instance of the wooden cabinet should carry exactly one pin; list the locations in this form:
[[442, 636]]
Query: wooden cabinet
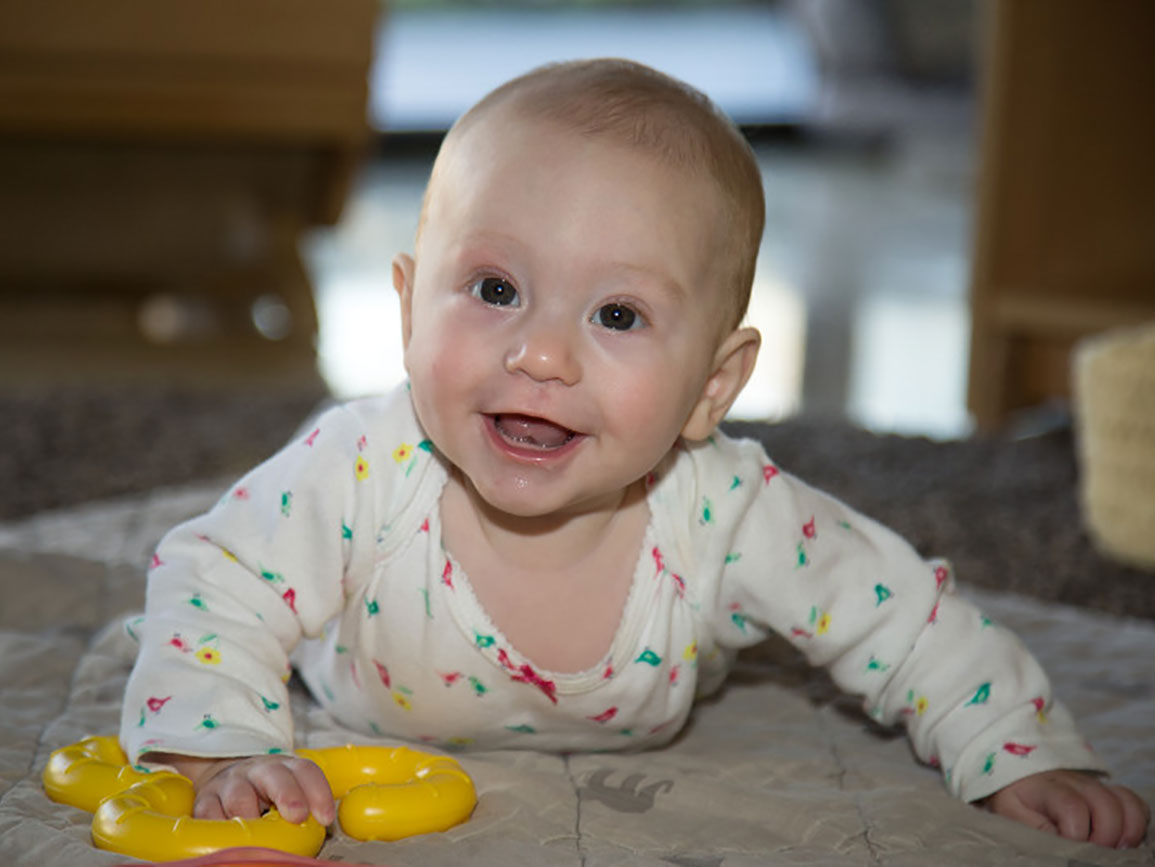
[[159, 152], [1065, 232]]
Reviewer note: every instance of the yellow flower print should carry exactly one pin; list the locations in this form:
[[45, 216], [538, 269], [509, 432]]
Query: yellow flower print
[[209, 656], [402, 701], [403, 453], [823, 624], [229, 554], [361, 468], [690, 654], [921, 705]]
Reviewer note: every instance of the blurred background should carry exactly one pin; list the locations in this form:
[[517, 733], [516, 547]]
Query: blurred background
[[199, 203]]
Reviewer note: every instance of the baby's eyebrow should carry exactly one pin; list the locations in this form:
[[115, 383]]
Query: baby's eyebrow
[[664, 281]]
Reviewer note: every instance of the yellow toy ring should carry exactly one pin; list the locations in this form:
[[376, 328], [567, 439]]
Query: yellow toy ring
[[385, 794]]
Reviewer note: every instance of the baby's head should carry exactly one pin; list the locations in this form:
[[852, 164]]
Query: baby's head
[[624, 103], [584, 257]]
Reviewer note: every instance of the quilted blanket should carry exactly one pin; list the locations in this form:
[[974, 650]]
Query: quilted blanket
[[777, 769]]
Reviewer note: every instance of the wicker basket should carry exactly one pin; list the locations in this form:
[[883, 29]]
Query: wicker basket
[[1114, 387]]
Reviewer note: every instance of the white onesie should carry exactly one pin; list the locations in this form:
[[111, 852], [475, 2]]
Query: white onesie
[[330, 554]]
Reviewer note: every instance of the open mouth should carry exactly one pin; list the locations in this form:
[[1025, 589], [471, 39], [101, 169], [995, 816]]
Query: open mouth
[[530, 432]]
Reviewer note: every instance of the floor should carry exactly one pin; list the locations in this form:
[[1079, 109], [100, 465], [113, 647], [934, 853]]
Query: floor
[[861, 287]]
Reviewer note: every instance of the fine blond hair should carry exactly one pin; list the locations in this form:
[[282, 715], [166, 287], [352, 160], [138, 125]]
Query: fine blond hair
[[636, 106]]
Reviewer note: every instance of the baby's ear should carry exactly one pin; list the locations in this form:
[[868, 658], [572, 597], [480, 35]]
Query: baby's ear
[[403, 272], [733, 364]]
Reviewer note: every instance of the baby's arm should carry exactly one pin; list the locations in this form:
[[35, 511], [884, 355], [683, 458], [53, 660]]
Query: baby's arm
[[232, 592], [855, 598], [1074, 805], [246, 787]]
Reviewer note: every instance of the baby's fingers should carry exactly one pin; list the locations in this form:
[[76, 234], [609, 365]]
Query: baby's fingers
[[1010, 806], [1136, 817], [296, 788]]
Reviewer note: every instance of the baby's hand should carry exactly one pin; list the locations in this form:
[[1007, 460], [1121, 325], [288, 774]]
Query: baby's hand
[[1074, 805], [246, 787]]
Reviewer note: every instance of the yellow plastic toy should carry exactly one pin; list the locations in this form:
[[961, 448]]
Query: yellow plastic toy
[[385, 794]]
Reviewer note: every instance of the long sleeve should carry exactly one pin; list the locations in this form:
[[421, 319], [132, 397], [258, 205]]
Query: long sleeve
[[854, 597], [230, 593]]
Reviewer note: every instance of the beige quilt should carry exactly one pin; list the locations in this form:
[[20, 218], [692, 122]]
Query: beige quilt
[[778, 769]]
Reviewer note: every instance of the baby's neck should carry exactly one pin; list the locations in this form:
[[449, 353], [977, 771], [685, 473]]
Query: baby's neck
[[548, 543]]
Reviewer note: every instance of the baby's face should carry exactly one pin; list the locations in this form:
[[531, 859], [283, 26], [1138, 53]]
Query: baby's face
[[563, 313]]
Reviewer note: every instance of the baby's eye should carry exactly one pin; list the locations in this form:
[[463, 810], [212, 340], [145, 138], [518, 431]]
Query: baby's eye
[[496, 291], [618, 317]]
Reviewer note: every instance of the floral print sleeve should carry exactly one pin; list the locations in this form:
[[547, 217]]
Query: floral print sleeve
[[856, 598], [232, 592]]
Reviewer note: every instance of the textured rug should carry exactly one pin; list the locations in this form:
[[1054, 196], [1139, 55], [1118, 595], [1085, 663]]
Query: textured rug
[[1005, 511]]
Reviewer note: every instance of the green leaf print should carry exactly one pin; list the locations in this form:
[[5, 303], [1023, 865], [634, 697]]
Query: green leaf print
[[271, 576], [982, 695], [649, 658], [286, 503]]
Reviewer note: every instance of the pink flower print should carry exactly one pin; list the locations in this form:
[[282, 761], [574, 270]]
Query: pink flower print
[[940, 576], [353, 673], [241, 493], [155, 703], [769, 471], [180, 644], [1018, 749], [674, 674], [424, 528], [362, 443], [156, 562], [659, 563], [525, 674], [1040, 704], [312, 438], [608, 673], [933, 618], [450, 678], [808, 529], [799, 632], [447, 574], [605, 716], [290, 597], [383, 673], [679, 585]]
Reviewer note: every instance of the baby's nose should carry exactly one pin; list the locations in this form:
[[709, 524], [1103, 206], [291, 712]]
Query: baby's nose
[[545, 351]]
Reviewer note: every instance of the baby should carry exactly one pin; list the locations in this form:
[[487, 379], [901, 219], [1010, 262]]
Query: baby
[[541, 541]]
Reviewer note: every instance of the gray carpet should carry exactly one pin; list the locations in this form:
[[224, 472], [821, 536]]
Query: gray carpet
[[1004, 511]]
